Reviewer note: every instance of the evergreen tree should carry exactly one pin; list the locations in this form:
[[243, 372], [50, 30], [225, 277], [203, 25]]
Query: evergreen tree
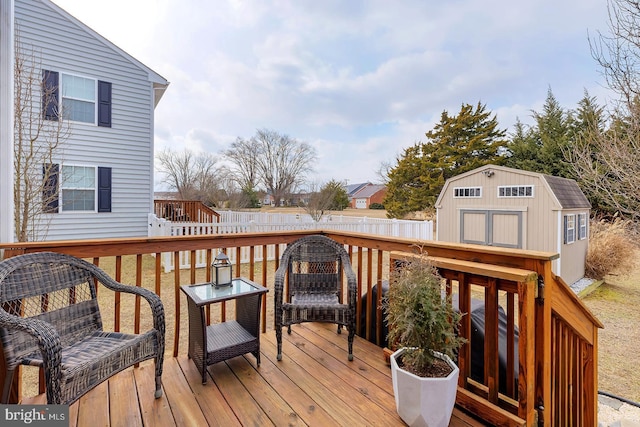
[[554, 131], [340, 200], [456, 145], [543, 147], [523, 149]]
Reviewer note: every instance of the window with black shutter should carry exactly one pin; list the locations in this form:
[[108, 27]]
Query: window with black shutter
[[75, 96], [104, 189], [104, 104]]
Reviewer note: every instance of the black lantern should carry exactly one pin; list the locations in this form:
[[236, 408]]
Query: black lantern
[[221, 270]]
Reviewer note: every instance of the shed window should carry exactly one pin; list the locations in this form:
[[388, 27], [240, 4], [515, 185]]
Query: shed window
[[569, 228], [467, 192], [582, 226], [515, 191]]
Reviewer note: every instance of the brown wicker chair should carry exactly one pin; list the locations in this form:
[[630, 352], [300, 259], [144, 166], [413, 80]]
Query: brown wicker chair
[[49, 317], [314, 266]]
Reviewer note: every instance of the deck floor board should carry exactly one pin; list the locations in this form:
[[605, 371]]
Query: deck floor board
[[313, 385]]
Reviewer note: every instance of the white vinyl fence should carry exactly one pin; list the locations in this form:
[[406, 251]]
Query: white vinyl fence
[[245, 222]]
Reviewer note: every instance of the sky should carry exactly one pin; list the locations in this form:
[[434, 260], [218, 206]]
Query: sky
[[359, 80]]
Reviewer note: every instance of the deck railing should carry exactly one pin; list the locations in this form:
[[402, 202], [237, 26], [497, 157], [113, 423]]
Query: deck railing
[[555, 381], [184, 211]]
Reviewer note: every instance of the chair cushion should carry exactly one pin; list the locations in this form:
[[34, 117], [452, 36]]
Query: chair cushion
[[103, 348], [310, 299], [316, 308]]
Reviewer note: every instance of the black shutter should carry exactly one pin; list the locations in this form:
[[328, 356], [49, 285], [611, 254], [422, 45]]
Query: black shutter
[[50, 92], [104, 189], [50, 175], [104, 104]]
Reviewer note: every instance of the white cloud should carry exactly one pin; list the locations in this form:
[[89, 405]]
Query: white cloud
[[359, 80]]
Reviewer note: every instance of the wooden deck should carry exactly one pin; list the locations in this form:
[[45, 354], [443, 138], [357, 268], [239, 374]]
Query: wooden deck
[[314, 384]]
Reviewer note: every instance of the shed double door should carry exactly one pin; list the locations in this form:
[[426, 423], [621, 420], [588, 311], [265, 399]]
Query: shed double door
[[491, 227]]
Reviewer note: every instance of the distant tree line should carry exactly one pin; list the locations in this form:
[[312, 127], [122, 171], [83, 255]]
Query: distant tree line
[[267, 163]]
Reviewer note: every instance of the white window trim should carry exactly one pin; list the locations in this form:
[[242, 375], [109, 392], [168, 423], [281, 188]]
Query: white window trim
[[570, 218], [583, 232], [95, 100], [61, 188], [533, 188], [475, 189]]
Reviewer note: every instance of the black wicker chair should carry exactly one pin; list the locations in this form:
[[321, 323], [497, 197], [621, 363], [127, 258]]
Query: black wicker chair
[[49, 317], [315, 266]]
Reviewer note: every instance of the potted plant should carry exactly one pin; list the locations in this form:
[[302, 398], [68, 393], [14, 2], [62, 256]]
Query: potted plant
[[423, 326]]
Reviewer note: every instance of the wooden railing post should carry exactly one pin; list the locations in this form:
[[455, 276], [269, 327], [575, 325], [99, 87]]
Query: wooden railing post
[[543, 351], [526, 351]]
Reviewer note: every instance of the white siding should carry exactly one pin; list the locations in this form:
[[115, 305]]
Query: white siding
[[126, 147]]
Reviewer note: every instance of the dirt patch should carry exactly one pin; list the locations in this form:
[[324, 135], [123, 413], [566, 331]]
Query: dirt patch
[[615, 304]]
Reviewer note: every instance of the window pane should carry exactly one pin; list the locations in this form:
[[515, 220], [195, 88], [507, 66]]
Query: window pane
[[78, 188], [78, 98], [78, 88], [78, 111], [78, 200], [78, 177]]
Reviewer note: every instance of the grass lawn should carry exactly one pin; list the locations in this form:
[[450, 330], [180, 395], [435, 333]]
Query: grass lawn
[[616, 304]]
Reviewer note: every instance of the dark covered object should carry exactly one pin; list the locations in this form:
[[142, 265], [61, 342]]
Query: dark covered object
[[373, 327], [477, 344]]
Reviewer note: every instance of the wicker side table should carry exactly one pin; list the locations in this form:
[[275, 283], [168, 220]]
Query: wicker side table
[[215, 343]]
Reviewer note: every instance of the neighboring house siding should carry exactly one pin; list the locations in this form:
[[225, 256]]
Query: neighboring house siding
[[378, 197], [126, 147], [367, 194]]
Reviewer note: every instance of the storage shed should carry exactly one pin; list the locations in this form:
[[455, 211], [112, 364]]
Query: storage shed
[[499, 206]]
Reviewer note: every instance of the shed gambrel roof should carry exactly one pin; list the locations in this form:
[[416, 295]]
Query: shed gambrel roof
[[566, 192]]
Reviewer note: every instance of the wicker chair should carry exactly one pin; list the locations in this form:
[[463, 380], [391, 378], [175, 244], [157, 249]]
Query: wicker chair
[[314, 266], [49, 317]]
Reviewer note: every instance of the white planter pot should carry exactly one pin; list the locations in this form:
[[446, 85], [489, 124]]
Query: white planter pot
[[424, 402]]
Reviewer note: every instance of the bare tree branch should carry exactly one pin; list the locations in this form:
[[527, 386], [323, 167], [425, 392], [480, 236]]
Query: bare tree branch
[[606, 162], [278, 162], [193, 176], [37, 146]]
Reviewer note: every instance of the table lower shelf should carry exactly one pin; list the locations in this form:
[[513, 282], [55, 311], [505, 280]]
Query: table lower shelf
[[229, 339]]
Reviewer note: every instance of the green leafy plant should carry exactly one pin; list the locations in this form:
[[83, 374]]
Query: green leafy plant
[[420, 317]]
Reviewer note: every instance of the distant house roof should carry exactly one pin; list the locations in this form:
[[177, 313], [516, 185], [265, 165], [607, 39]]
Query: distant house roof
[[368, 191], [351, 189]]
